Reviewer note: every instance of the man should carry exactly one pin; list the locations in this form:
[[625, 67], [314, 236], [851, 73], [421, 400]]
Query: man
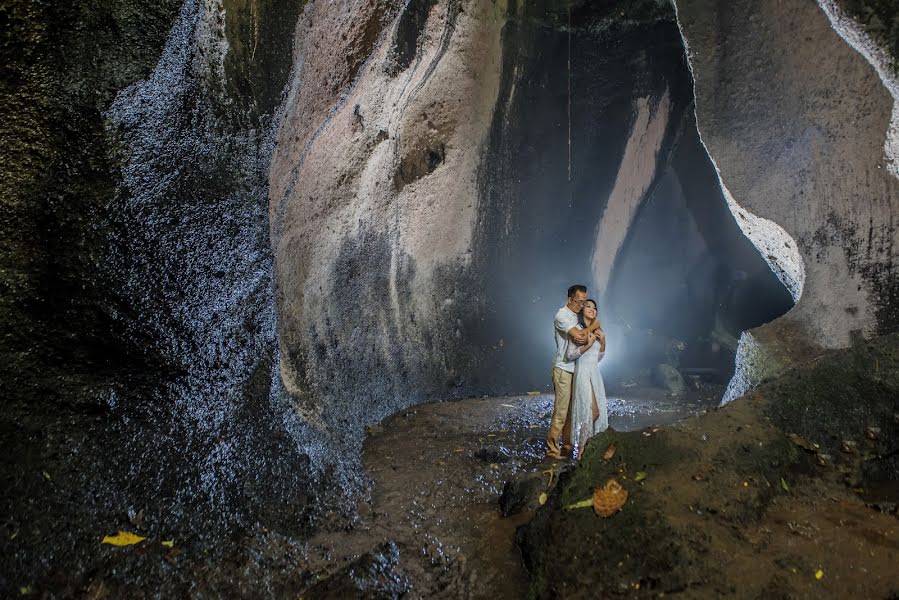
[[565, 327]]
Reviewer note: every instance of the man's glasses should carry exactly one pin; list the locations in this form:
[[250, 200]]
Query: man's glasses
[[580, 302]]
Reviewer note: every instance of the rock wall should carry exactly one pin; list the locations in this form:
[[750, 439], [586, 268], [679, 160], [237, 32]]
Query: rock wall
[[373, 200], [433, 195], [139, 336], [796, 121]]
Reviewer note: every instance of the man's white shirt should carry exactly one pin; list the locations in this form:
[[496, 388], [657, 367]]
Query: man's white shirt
[[564, 321]]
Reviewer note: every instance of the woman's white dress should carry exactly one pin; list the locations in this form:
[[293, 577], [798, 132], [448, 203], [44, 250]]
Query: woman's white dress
[[587, 381]]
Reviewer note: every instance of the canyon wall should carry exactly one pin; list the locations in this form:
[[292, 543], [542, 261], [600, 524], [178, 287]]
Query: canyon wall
[[269, 224], [796, 121], [435, 193]]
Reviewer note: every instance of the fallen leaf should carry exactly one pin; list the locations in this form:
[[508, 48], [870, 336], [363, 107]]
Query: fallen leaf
[[507, 405], [819, 574], [534, 393], [745, 484], [802, 442], [640, 476], [46, 475], [25, 590], [542, 498], [608, 499], [784, 485], [848, 446], [610, 452], [551, 472], [122, 538], [582, 504], [168, 543]]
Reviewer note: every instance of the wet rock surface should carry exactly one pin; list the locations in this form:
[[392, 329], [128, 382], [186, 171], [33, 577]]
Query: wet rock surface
[[520, 494], [735, 502], [372, 575], [452, 515]]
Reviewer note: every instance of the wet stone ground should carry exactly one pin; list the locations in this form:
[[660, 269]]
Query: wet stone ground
[[433, 526]]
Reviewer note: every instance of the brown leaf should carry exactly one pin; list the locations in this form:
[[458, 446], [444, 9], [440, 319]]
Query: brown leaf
[[608, 499], [802, 442], [610, 452]]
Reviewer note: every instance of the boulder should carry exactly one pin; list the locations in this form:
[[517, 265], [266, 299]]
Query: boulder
[[520, 494], [669, 378], [493, 454]]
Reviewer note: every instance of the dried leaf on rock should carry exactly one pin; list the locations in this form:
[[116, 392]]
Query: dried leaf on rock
[[168, 543], [802, 442], [784, 485], [608, 499], [610, 452], [122, 538], [542, 499], [582, 504], [551, 472], [640, 476]]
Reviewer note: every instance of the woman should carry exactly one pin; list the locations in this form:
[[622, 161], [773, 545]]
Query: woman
[[589, 414]]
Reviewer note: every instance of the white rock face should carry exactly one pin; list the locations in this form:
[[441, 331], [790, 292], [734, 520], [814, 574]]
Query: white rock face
[[635, 176], [373, 182], [796, 121]]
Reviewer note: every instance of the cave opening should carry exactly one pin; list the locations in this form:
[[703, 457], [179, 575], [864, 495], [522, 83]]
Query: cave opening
[[595, 173]]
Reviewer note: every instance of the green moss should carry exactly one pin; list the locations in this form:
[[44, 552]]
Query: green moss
[[839, 395], [634, 452], [636, 546]]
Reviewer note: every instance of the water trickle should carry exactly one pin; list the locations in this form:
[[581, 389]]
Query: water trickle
[[194, 264]]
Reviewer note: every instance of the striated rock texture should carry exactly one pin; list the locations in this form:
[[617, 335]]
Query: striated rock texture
[[796, 121], [373, 196], [444, 171], [139, 341]]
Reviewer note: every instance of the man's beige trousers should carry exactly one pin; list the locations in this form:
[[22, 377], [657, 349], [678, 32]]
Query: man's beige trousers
[[559, 424]]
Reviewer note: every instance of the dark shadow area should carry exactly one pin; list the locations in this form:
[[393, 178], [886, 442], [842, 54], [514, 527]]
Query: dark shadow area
[[686, 281]]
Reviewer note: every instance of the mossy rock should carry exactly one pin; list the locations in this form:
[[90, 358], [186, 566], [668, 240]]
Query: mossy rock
[[573, 553], [717, 485], [841, 394]]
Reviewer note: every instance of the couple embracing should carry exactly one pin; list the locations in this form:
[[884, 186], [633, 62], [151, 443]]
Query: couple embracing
[[580, 403]]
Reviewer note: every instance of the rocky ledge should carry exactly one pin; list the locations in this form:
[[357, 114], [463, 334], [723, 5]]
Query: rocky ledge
[[787, 492]]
